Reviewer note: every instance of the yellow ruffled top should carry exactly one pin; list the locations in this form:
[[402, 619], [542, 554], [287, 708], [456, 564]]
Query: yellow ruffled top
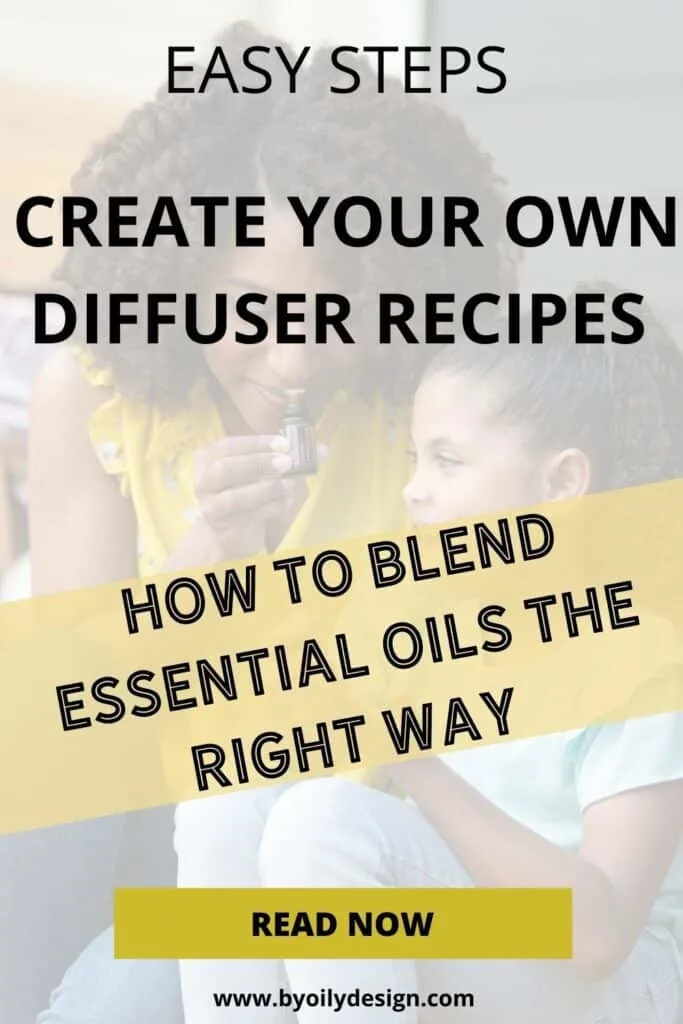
[[357, 491]]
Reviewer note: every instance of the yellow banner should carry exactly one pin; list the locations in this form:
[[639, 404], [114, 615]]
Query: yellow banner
[[481, 924], [157, 691]]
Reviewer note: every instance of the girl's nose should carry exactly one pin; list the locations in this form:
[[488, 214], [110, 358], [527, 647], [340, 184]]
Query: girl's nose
[[415, 492]]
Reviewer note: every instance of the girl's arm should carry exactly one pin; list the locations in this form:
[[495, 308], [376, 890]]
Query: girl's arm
[[629, 842], [82, 529]]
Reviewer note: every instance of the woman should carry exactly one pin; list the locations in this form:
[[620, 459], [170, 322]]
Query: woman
[[146, 458]]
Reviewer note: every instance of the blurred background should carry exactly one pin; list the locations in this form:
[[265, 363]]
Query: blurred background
[[592, 106]]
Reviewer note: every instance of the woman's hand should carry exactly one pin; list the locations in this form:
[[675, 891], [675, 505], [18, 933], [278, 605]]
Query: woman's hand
[[243, 495], [241, 486]]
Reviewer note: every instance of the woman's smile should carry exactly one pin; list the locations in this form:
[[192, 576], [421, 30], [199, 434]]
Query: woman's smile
[[274, 396]]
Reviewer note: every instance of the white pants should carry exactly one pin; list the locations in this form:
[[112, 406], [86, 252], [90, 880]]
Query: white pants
[[336, 833]]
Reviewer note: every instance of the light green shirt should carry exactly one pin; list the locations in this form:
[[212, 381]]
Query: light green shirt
[[547, 783]]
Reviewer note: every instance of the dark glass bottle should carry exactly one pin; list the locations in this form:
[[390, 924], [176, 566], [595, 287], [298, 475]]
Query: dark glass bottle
[[299, 431]]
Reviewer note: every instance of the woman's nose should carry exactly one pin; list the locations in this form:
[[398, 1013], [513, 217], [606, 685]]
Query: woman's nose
[[292, 365]]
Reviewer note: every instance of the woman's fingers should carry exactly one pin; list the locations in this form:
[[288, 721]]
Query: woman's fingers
[[220, 474], [246, 444], [236, 461], [245, 478], [262, 499]]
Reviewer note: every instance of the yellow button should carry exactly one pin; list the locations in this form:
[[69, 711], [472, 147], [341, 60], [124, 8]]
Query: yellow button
[[234, 924]]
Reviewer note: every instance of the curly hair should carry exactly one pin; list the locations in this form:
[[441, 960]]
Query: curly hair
[[309, 144], [620, 404]]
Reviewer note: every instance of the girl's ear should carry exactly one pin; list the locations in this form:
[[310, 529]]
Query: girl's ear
[[566, 475]]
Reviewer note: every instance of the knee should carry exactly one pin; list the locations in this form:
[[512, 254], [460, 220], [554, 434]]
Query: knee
[[99, 987], [208, 822], [219, 834], [319, 833]]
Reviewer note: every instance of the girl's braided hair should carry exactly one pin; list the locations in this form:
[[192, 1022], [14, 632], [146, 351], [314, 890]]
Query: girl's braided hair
[[310, 144]]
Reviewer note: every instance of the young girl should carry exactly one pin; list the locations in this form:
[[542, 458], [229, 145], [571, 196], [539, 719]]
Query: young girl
[[598, 810], [152, 457]]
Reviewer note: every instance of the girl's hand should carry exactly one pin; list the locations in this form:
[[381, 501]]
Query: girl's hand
[[404, 773]]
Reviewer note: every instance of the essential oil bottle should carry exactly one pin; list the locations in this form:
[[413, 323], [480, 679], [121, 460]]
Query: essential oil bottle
[[298, 430]]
